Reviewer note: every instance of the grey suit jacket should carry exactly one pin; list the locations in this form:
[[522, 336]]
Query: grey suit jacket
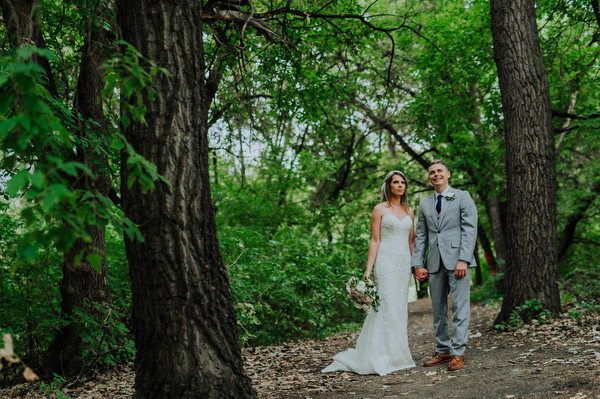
[[449, 236]]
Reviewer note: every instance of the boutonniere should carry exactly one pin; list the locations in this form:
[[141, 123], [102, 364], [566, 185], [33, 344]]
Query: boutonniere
[[450, 197]]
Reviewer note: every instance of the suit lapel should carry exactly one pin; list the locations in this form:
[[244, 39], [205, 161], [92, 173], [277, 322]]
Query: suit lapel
[[445, 205], [431, 206]]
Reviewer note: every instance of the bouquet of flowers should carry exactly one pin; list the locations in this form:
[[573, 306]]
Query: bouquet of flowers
[[363, 294]]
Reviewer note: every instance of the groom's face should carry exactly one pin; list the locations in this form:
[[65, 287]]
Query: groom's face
[[438, 176]]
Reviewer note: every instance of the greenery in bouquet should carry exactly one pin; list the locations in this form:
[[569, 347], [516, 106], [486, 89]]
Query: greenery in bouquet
[[363, 294]]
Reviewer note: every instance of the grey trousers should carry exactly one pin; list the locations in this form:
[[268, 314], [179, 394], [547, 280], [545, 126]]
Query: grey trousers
[[441, 283]]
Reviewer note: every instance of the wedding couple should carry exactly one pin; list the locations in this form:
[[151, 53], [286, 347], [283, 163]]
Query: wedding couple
[[445, 235]]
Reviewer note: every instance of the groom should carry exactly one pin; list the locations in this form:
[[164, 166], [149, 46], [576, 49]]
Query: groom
[[446, 231]]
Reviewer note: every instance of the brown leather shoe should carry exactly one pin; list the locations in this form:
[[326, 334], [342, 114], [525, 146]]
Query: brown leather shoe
[[458, 362], [438, 358]]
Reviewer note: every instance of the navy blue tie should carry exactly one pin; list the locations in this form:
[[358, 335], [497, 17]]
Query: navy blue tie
[[438, 206]]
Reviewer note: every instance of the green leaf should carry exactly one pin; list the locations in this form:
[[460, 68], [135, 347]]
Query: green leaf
[[6, 102], [96, 261], [6, 127], [69, 168], [117, 144], [28, 214], [48, 201], [30, 252], [79, 256], [130, 180], [125, 121], [60, 189], [17, 182], [38, 179]]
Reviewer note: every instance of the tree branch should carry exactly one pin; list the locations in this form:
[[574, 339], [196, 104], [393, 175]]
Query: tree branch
[[240, 17], [563, 130], [388, 126], [569, 231], [560, 114]]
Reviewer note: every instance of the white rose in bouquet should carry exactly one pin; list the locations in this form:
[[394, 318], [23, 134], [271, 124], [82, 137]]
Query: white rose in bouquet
[[361, 286]]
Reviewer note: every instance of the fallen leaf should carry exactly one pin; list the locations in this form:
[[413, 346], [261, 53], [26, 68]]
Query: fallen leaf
[[30, 375]]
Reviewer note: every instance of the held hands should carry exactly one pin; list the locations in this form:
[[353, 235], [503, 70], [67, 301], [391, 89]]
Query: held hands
[[461, 270], [421, 273]]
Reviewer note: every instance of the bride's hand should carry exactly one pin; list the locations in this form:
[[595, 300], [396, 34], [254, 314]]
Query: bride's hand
[[366, 277]]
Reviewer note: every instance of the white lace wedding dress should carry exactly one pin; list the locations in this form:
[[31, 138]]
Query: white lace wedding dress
[[382, 346]]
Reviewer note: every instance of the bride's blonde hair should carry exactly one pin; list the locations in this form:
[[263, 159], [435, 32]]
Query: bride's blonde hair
[[386, 189]]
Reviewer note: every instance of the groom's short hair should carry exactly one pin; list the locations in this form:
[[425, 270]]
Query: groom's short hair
[[440, 161]]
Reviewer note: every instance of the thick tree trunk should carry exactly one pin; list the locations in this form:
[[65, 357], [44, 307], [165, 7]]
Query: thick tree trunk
[[184, 321], [531, 264]]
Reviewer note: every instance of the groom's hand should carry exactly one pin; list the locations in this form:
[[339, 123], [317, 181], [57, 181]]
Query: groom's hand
[[461, 269], [421, 273]]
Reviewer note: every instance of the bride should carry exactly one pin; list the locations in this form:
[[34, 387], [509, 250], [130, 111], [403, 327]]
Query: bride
[[382, 346]]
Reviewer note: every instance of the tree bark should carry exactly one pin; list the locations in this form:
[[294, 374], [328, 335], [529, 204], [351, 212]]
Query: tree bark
[[493, 210], [22, 29], [531, 264], [487, 250], [183, 317]]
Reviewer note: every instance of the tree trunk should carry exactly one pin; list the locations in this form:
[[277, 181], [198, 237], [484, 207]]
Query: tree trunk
[[531, 264], [22, 29], [183, 317], [493, 210], [487, 250]]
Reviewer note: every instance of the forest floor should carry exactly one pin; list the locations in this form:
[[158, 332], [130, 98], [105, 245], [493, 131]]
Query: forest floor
[[556, 360]]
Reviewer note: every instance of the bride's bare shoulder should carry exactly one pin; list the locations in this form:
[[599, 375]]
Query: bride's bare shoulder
[[380, 209]]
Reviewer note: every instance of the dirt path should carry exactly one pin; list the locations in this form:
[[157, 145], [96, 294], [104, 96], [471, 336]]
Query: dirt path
[[560, 360]]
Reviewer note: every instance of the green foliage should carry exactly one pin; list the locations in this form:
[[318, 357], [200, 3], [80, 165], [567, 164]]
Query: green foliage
[[106, 339], [287, 273], [53, 388], [531, 309], [582, 287], [290, 286], [30, 298], [585, 310], [490, 290], [40, 154], [37, 149], [582, 283]]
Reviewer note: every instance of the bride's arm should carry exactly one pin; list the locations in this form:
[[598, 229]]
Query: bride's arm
[[375, 240]]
